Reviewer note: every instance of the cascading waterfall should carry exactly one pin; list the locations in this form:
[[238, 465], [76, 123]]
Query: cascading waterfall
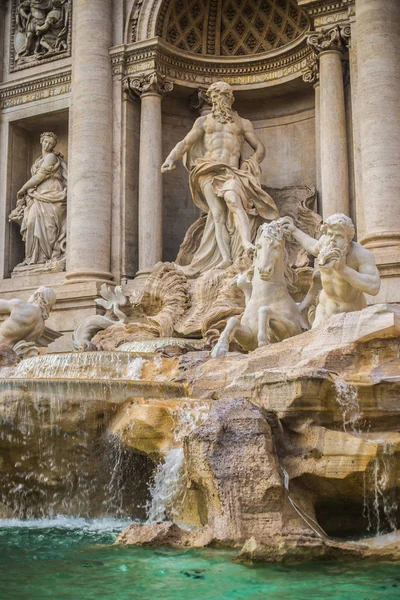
[[347, 398], [380, 502], [379, 482], [168, 489], [58, 455]]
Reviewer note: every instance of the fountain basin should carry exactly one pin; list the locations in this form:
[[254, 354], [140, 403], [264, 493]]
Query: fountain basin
[[95, 365]]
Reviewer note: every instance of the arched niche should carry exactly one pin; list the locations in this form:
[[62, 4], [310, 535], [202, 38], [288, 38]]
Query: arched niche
[[248, 43]]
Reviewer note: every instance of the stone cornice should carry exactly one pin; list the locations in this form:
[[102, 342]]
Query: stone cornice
[[327, 12], [194, 70], [40, 88]]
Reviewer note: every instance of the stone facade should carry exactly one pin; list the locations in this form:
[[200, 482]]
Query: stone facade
[[115, 82]]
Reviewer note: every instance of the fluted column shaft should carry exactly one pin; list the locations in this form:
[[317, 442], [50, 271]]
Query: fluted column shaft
[[333, 135], [329, 46], [150, 182], [150, 87], [90, 145], [378, 55]]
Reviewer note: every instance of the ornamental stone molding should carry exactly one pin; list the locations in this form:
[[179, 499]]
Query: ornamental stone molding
[[191, 70], [37, 89], [40, 32], [323, 13], [311, 72], [152, 83], [335, 38]]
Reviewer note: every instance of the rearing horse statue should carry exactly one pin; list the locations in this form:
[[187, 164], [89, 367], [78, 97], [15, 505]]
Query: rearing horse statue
[[271, 314]]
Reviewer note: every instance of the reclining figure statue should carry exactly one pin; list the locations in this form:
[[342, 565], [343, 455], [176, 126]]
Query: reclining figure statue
[[25, 325]]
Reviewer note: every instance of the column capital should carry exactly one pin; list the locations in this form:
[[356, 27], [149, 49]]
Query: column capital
[[147, 84], [333, 39], [310, 73]]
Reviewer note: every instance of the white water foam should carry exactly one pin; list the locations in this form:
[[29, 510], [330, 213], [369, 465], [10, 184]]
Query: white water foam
[[62, 522], [347, 398], [168, 490]]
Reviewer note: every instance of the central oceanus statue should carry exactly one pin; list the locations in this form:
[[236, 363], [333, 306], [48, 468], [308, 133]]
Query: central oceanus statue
[[271, 314], [223, 184]]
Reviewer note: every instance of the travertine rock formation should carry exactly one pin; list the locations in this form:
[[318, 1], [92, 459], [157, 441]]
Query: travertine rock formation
[[232, 464], [333, 398]]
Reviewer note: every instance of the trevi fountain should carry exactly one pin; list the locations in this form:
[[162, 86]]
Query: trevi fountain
[[199, 299]]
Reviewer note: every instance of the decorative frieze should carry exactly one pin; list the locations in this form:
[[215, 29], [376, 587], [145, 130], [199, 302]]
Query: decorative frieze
[[37, 89], [40, 32], [196, 70]]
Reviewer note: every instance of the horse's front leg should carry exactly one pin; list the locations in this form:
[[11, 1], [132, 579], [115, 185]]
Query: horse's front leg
[[222, 346], [283, 328], [264, 316]]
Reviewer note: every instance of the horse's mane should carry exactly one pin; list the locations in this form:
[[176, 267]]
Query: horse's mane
[[275, 231]]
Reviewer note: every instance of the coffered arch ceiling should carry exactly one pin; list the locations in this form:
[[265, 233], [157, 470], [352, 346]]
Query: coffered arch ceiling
[[247, 42], [230, 27]]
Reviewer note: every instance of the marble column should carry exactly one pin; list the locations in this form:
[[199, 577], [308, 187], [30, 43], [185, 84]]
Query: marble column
[[329, 47], [150, 88], [90, 144], [3, 10], [311, 75], [378, 59]]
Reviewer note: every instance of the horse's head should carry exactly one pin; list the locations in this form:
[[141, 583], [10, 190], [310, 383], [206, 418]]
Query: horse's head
[[270, 250]]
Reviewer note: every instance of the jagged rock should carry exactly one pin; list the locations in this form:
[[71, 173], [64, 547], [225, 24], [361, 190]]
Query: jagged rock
[[232, 464], [8, 357], [295, 549], [332, 396], [164, 534]]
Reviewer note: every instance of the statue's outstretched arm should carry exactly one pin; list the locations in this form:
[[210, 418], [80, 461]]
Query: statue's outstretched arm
[[194, 135], [252, 139], [309, 244], [6, 306]]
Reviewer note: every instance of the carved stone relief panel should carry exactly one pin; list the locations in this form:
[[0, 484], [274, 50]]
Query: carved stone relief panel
[[40, 32]]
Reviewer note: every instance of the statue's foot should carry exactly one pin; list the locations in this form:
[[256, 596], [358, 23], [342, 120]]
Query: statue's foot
[[220, 349]]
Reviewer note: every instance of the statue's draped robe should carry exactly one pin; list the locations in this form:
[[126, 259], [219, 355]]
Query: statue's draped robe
[[246, 184], [43, 225]]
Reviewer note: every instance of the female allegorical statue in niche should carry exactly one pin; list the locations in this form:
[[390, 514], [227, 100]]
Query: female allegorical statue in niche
[[41, 210]]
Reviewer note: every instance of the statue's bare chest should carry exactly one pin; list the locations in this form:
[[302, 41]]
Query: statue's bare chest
[[214, 127]]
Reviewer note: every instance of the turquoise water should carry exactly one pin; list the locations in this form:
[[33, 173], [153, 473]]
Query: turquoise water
[[73, 559]]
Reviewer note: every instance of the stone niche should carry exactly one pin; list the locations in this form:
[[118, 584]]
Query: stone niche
[[284, 120], [24, 148]]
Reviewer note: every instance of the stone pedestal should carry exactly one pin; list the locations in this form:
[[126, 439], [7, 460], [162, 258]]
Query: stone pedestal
[[329, 47], [150, 88], [378, 55], [90, 147]]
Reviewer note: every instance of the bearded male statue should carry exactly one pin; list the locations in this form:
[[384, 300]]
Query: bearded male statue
[[26, 321], [348, 270], [222, 184]]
